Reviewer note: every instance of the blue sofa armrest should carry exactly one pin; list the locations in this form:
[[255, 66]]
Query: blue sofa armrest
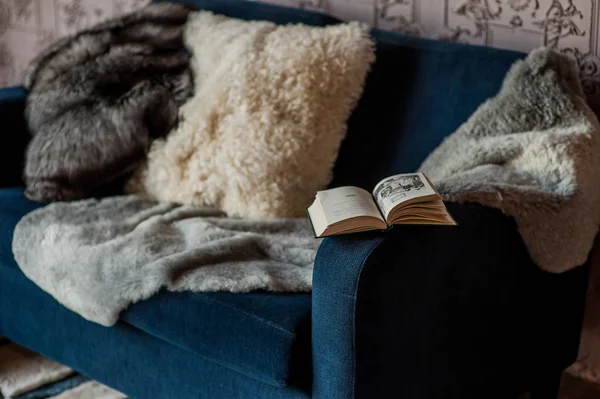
[[13, 136], [431, 312]]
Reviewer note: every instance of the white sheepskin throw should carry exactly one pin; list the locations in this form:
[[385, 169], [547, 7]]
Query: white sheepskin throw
[[97, 257], [533, 151], [261, 134]]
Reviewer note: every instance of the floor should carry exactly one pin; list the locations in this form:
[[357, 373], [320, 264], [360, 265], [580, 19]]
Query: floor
[[27, 375]]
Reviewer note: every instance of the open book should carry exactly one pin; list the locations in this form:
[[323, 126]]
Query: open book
[[400, 199]]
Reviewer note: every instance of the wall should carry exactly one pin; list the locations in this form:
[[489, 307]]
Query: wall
[[569, 25], [27, 26]]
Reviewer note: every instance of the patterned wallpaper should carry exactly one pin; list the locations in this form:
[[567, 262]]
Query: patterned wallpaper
[[27, 26], [568, 25]]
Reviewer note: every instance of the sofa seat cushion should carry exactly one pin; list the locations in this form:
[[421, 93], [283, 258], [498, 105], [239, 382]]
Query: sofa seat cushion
[[260, 335]]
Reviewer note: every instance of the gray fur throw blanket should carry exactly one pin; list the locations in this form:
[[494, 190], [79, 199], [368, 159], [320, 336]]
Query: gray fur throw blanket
[[97, 99], [533, 152], [96, 257]]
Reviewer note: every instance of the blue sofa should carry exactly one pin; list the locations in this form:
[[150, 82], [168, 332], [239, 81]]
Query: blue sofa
[[415, 313]]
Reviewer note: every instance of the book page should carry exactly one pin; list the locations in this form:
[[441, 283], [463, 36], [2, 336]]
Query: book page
[[343, 203], [395, 190]]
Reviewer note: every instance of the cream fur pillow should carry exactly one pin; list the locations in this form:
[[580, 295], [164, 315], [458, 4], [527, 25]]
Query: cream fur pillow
[[261, 134]]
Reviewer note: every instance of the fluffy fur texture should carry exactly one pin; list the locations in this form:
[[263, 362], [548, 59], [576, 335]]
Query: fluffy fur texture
[[95, 101], [98, 257], [533, 152], [22, 370], [261, 134]]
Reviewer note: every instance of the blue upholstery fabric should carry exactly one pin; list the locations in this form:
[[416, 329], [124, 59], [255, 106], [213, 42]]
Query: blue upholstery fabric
[[249, 10], [12, 207], [13, 135], [439, 312], [418, 92], [260, 335]]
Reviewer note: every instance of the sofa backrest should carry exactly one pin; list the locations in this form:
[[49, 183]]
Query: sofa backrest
[[252, 10], [417, 93]]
